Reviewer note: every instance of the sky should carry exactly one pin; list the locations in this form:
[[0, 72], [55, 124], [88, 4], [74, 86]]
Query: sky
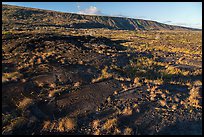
[[188, 14]]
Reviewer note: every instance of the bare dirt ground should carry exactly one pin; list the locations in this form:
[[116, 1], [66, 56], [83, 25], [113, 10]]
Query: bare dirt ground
[[100, 81]]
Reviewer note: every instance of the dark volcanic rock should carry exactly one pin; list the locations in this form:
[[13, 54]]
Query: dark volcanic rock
[[87, 98]]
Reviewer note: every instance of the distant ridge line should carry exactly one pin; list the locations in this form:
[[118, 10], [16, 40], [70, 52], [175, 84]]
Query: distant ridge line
[[18, 15]]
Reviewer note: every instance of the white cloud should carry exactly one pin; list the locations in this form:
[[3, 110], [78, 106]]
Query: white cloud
[[167, 21], [191, 25], [118, 15], [140, 17], [92, 10]]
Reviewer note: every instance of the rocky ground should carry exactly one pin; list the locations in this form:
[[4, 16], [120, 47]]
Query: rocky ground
[[101, 81]]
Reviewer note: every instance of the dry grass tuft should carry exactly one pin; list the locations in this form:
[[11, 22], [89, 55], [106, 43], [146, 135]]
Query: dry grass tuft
[[162, 103], [52, 85], [62, 125], [66, 124], [39, 61], [116, 131], [127, 111], [137, 82], [10, 76], [104, 75], [95, 124], [54, 92], [25, 103], [174, 107], [77, 84], [46, 125], [70, 123], [128, 131], [197, 83], [97, 132], [110, 123], [195, 97]]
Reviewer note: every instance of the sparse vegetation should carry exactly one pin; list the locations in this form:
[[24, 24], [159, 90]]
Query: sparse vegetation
[[10, 76], [25, 103], [57, 79], [65, 124], [110, 123], [104, 75]]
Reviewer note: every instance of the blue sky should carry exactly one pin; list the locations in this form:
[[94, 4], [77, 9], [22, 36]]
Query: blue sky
[[187, 14]]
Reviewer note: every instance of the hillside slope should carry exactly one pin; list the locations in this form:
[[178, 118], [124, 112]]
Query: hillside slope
[[15, 17]]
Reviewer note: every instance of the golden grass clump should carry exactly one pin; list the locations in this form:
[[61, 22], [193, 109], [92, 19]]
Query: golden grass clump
[[46, 125], [162, 103], [104, 75], [124, 86], [110, 123], [67, 124], [4, 79], [116, 131], [197, 83], [12, 76], [39, 61], [137, 82], [95, 124], [77, 84], [174, 107], [122, 79], [97, 132], [158, 82], [195, 97], [52, 85], [62, 125], [128, 131], [54, 92], [70, 123], [173, 70], [25, 103], [176, 99], [127, 111], [152, 96]]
